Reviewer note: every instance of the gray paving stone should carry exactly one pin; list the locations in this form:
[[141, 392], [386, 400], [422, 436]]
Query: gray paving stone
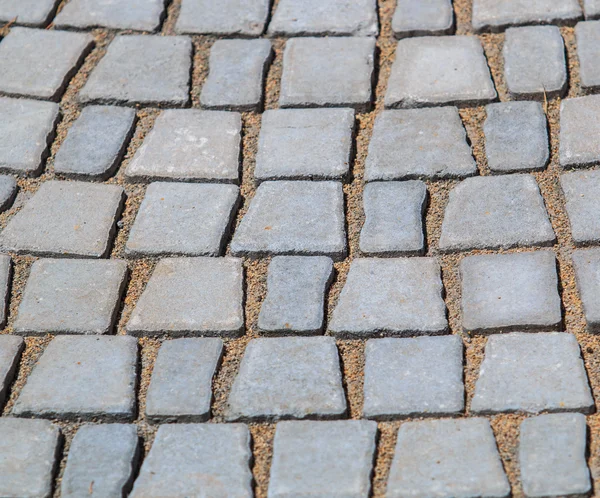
[[183, 219], [190, 145], [24, 61], [5, 278], [580, 131], [65, 219], [591, 9], [8, 191], [434, 70], [82, 378], [11, 348], [525, 372], [181, 385], [28, 12], [295, 301], [95, 143], [552, 455], [447, 458], [333, 459], [588, 53], [328, 72], [582, 204], [139, 69], [516, 137], [420, 376], [288, 377], [297, 144], [71, 296], [495, 212], [197, 460], [422, 18], [586, 263], [294, 218], [399, 296], [191, 296], [102, 461]]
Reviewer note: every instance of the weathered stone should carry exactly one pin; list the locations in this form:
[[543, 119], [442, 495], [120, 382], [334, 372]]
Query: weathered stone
[[580, 131], [422, 18], [11, 348], [5, 278], [8, 191], [28, 12], [586, 263], [591, 9], [588, 53], [582, 205]]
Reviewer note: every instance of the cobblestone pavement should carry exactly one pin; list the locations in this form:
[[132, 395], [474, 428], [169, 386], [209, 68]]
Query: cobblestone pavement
[[326, 248]]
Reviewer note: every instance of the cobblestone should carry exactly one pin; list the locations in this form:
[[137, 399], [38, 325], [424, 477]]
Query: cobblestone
[[8, 191], [588, 53], [586, 263], [28, 12], [422, 18], [11, 348], [582, 204], [5, 278], [580, 131], [591, 9]]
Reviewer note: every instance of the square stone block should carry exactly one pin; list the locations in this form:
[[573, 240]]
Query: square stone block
[[11, 348], [586, 263], [422, 18], [580, 131], [588, 53], [583, 205], [28, 12]]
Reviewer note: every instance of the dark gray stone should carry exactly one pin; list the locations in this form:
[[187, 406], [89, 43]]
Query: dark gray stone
[[11, 348], [28, 12], [5, 278], [8, 191], [580, 131], [591, 9], [586, 263], [422, 18], [588, 53], [583, 205]]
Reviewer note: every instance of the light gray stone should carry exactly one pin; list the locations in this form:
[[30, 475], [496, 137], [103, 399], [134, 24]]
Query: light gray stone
[[288, 377], [11, 348], [191, 296], [294, 218], [422, 18], [447, 458], [328, 72], [297, 144], [295, 301], [191, 145], [580, 131], [591, 9], [181, 385], [552, 455], [5, 278], [495, 212], [28, 12], [82, 378], [65, 219], [183, 219], [399, 296], [582, 204], [8, 191], [586, 263], [197, 460], [333, 459], [439, 70], [524, 372], [588, 53]]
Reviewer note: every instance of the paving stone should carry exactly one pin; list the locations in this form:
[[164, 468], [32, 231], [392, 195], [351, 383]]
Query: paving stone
[[582, 204], [580, 131], [297, 144], [517, 291], [288, 377], [422, 18], [413, 377], [333, 459], [525, 372], [28, 12], [24, 61], [8, 191], [328, 72], [192, 145], [71, 296], [5, 278], [181, 385], [447, 458], [516, 137], [495, 212], [591, 9], [434, 70], [191, 296], [183, 219], [552, 457], [95, 143], [295, 300], [586, 263], [139, 69], [82, 378], [197, 460], [102, 461], [400, 296], [11, 348], [65, 219], [288, 217], [588, 53]]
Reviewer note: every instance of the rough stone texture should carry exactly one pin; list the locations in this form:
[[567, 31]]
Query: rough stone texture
[[586, 263], [295, 300], [28, 12], [328, 72], [102, 461], [420, 376], [495, 212], [183, 219], [435, 70], [146, 70], [524, 372], [237, 73], [400, 296], [181, 385], [580, 131], [191, 145], [591, 9], [191, 296], [332, 459], [65, 219], [447, 458], [288, 217], [422, 18], [5, 278], [588, 53], [8, 191], [11, 348], [71, 296], [288, 377], [552, 455], [296, 144], [82, 378], [393, 218], [583, 205], [197, 460], [95, 143], [516, 137]]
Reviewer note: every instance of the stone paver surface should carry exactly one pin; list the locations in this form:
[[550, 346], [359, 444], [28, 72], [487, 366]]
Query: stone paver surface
[[580, 131], [11, 348], [8, 191], [28, 12], [6, 270], [586, 263], [422, 18], [591, 9], [588, 52], [583, 205]]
